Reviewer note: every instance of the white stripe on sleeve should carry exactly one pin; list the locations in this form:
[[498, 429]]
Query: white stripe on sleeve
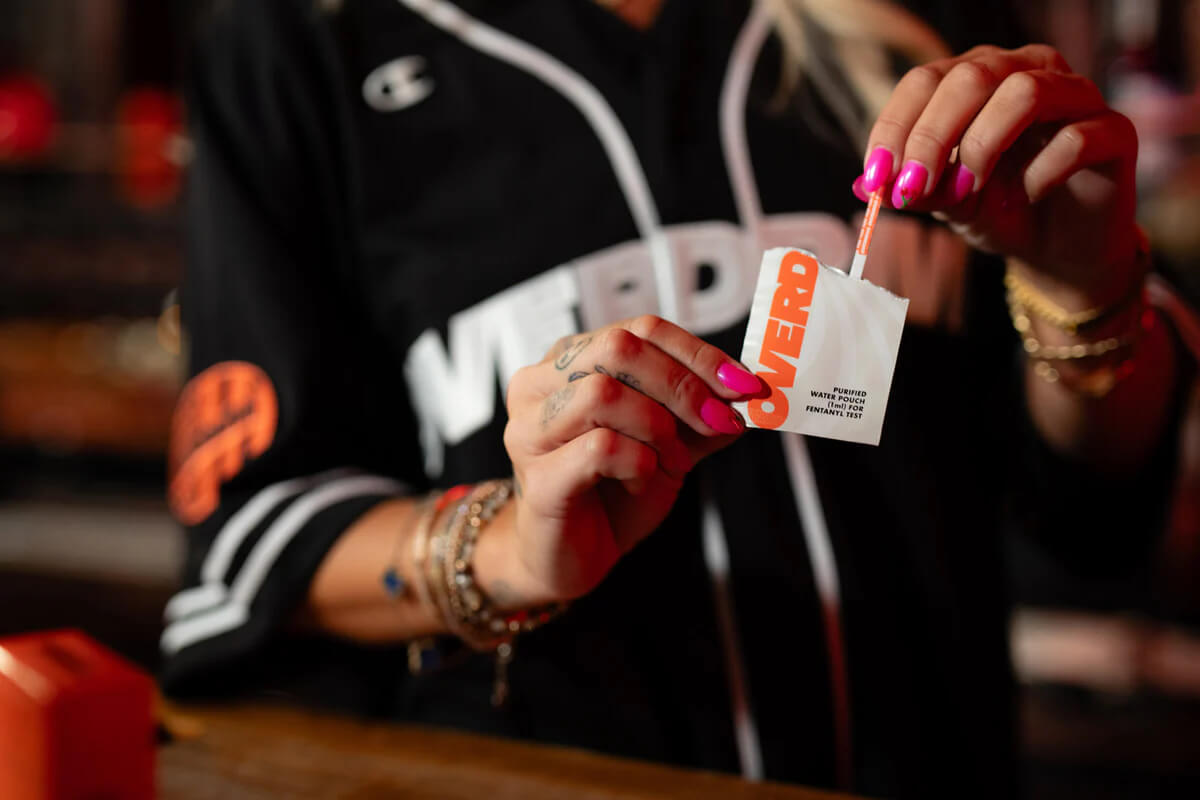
[[263, 556], [212, 591]]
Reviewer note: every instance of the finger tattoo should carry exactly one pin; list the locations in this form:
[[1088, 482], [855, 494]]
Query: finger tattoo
[[556, 402], [560, 346], [623, 377], [568, 355]]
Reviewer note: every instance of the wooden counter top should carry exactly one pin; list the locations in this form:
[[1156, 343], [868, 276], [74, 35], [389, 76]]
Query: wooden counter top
[[253, 753]]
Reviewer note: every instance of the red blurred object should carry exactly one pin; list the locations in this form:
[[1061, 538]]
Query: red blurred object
[[149, 133], [28, 119], [76, 721]]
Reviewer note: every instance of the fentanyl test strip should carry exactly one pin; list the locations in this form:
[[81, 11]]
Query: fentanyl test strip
[[824, 342]]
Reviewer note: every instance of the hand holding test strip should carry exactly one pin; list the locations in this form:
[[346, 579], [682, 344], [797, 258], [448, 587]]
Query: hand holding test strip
[[824, 343]]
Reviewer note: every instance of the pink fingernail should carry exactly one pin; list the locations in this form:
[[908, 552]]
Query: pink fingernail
[[878, 171], [720, 417], [734, 377], [910, 185], [859, 191], [964, 182]]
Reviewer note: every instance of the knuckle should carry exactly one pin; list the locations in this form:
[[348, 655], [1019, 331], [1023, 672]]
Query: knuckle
[[511, 439], [1022, 89], [515, 384], [683, 385], [925, 140], [973, 149], [1073, 140], [603, 442], [1047, 55], [1126, 129], [924, 79], [888, 128], [973, 77], [706, 359], [622, 344], [605, 390], [981, 50], [646, 325]]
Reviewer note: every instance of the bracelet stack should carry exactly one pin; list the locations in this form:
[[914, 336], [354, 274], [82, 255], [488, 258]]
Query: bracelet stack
[[1111, 355], [443, 563]]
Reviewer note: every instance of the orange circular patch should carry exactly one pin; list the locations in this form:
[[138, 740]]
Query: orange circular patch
[[225, 415]]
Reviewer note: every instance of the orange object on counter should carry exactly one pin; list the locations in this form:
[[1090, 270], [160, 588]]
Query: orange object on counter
[[76, 720]]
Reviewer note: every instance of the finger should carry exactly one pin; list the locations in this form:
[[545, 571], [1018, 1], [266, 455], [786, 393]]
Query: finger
[[665, 363], [1023, 99], [722, 374], [860, 192], [599, 401], [525, 386], [583, 462], [962, 93], [955, 185], [899, 114], [701, 447], [891, 132], [1105, 138]]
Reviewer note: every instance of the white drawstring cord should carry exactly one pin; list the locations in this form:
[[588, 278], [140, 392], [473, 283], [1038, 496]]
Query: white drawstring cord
[[808, 500], [595, 109]]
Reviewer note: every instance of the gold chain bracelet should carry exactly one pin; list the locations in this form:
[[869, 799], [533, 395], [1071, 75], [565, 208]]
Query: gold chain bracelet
[[1066, 352], [1024, 293]]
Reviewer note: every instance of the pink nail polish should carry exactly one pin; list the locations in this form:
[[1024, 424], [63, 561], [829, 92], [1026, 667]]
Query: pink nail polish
[[734, 377], [878, 170], [910, 185], [964, 182], [858, 190], [720, 417]]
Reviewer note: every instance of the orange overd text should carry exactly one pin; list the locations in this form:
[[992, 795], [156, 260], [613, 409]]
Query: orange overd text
[[784, 336]]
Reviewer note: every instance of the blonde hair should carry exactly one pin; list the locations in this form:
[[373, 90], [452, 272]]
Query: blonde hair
[[862, 35]]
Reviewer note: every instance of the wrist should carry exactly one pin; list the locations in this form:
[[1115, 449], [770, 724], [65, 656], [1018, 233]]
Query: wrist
[[1099, 282], [501, 572]]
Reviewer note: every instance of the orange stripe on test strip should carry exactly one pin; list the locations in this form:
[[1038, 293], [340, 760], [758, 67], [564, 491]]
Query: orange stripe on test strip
[[865, 233]]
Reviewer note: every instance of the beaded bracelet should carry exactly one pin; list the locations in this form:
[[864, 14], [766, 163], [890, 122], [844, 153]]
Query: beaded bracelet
[[480, 624], [444, 567]]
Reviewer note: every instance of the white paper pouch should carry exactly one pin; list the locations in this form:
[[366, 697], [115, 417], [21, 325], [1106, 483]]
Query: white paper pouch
[[825, 345]]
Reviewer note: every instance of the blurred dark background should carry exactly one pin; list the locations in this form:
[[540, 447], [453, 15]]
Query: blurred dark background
[[93, 156]]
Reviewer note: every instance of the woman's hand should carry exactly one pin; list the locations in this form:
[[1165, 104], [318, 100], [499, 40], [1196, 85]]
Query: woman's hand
[[1021, 157], [601, 434]]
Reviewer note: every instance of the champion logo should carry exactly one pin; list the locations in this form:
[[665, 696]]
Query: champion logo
[[397, 85]]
